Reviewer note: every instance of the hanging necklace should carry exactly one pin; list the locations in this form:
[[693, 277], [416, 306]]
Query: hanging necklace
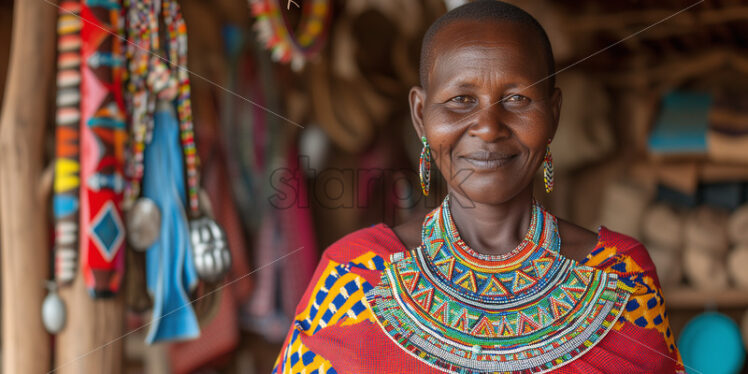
[[152, 78], [530, 310], [287, 45], [527, 242]]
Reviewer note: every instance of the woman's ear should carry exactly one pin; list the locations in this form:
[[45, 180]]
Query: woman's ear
[[556, 108], [417, 97]]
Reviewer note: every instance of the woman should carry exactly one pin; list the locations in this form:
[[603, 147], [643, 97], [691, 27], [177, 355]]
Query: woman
[[489, 281]]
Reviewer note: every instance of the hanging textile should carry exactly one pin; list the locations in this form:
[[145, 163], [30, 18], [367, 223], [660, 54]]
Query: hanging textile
[[102, 139], [67, 165], [289, 46], [219, 335], [299, 242], [257, 144], [286, 233], [170, 273]]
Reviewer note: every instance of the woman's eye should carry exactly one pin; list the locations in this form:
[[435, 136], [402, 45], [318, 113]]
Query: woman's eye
[[516, 99], [462, 99]]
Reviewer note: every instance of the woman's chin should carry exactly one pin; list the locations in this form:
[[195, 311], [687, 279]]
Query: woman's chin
[[494, 193]]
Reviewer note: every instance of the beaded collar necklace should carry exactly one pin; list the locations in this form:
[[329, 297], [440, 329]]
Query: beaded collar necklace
[[530, 310], [535, 237]]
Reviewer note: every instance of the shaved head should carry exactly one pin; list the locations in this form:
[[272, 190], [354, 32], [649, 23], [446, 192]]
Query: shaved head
[[484, 11]]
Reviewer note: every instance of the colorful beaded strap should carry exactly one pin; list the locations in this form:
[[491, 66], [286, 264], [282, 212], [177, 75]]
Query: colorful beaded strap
[[529, 311], [103, 135], [67, 134]]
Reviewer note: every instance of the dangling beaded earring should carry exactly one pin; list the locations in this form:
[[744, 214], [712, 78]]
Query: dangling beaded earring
[[425, 167], [548, 168]]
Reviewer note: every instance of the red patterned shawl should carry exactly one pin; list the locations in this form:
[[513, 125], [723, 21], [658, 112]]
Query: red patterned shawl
[[334, 332]]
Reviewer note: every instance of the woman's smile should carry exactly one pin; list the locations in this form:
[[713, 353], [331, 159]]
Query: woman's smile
[[487, 160]]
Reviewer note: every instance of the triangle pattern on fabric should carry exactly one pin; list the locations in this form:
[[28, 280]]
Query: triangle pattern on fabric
[[483, 328], [559, 307], [441, 313], [461, 323], [574, 292], [543, 317], [494, 287], [542, 265], [525, 324], [505, 328], [410, 280], [522, 281], [584, 274], [446, 266], [467, 281], [424, 297]]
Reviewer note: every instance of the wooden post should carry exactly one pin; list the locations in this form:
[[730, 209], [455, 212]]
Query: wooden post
[[92, 340], [23, 213]]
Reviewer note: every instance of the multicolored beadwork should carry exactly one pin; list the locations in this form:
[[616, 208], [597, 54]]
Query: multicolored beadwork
[[141, 21], [178, 57], [272, 29], [67, 134], [548, 169], [527, 311], [424, 167], [152, 77]]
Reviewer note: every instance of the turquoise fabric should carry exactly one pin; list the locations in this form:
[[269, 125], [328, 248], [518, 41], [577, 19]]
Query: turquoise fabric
[[170, 270]]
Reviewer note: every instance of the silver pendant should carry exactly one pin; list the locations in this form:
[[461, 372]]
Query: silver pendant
[[53, 310], [143, 224], [210, 249]]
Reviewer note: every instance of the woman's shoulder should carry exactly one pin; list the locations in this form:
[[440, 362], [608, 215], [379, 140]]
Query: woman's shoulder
[[626, 257], [621, 254], [374, 241], [612, 244]]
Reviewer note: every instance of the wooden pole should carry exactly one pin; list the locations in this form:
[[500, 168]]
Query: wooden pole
[[23, 214], [92, 341]]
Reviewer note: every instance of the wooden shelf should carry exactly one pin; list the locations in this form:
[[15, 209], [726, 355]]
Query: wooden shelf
[[685, 298]]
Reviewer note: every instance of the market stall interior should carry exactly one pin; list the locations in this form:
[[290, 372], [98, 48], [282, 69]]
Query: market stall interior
[[172, 170]]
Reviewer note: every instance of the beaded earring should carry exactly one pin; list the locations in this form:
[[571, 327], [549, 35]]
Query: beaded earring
[[548, 169], [425, 167]]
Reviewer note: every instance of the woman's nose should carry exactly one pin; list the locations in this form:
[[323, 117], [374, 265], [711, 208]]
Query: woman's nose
[[489, 123]]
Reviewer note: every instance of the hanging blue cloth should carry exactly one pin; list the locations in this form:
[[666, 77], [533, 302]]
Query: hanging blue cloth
[[170, 271]]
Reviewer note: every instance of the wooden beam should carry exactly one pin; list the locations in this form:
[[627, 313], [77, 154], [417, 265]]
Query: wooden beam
[[630, 21], [678, 68], [92, 341], [23, 215], [687, 298]]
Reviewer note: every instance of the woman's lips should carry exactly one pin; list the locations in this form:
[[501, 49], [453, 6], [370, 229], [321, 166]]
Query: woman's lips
[[488, 160]]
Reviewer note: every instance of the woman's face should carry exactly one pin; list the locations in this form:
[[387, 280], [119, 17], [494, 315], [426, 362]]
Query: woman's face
[[487, 110]]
